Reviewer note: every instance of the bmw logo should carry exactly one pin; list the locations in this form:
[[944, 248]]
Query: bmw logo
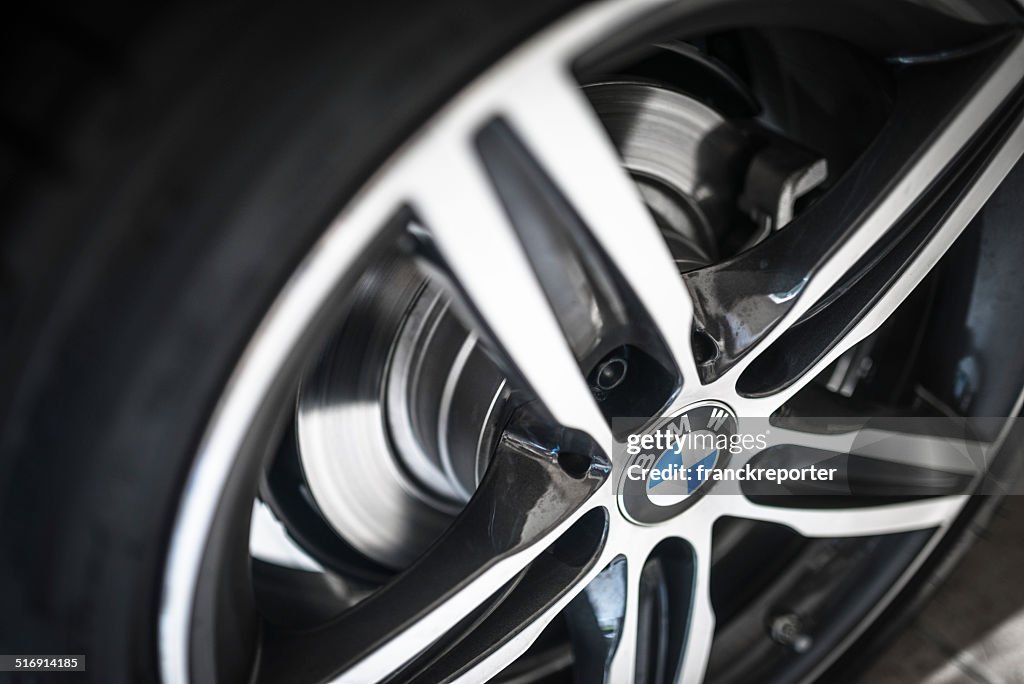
[[667, 466]]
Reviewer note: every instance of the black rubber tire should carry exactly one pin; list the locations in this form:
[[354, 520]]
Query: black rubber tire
[[168, 169]]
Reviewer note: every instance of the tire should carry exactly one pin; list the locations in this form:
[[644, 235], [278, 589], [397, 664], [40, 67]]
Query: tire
[[169, 170]]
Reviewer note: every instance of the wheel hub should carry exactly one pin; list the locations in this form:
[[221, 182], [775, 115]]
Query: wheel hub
[[668, 466]]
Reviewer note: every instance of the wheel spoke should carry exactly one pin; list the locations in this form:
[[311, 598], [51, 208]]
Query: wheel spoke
[[891, 475], [487, 667], [598, 623], [559, 126], [494, 541], [852, 522], [475, 241], [668, 622], [615, 344], [892, 441], [486, 646], [700, 629], [853, 469], [853, 256]]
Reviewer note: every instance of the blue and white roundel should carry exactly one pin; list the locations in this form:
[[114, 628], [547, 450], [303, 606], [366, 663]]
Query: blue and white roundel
[[695, 462], [654, 487]]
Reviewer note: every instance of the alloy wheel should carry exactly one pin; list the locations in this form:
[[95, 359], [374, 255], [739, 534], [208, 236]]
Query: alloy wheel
[[427, 418]]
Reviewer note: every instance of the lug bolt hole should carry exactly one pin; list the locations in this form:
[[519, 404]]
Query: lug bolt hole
[[610, 373], [574, 465]]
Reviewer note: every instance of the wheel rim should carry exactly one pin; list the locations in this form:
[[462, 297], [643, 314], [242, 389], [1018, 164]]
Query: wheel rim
[[837, 268]]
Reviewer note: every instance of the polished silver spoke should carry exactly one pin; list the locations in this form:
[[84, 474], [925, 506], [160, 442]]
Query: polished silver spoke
[[885, 443], [688, 585], [515, 644], [907, 466], [489, 644], [561, 128], [481, 248], [852, 522]]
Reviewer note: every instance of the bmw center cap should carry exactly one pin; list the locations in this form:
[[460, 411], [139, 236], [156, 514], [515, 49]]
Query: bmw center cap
[[669, 463]]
